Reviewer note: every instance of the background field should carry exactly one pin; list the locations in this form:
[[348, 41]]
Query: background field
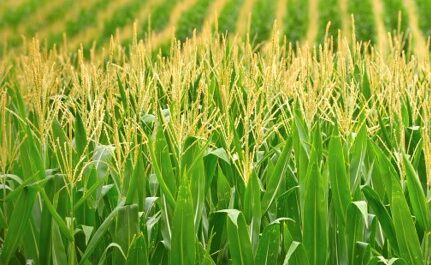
[[94, 21], [197, 132]]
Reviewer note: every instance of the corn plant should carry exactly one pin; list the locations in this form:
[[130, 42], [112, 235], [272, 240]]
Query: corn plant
[[215, 154]]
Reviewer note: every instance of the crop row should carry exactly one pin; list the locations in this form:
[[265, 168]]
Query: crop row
[[262, 19], [424, 16], [159, 17], [395, 15], [122, 17], [329, 12], [85, 19], [11, 18], [296, 21], [192, 19], [215, 155], [365, 27], [228, 16], [295, 24]]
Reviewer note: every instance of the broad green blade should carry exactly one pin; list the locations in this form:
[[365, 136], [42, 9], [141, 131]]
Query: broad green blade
[[138, 251], [162, 158], [59, 255], [80, 135], [126, 227], [354, 229], [275, 180], [252, 208], [267, 250], [417, 197], [240, 249], [339, 180], [357, 157], [382, 214], [295, 251], [137, 176], [405, 230], [193, 170], [19, 220], [183, 245], [315, 216], [99, 233]]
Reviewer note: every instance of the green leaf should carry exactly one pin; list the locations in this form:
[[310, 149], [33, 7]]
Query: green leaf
[[379, 260], [295, 254], [366, 87], [405, 230], [361, 206], [220, 153], [382, 215], [18, 223], [166, 188], [183, 245], [58, 219], [120, 252], [417, 196], [315, 217], [340, 236], [59, 256], [98, 235], [357, 157], [138, 172], [162, 158], [267, 250], [138, 252], [102, 156], [192, 164], [301, 147], [203, 256], [45, 234], [357, 217], [275, 180], [80, 135], [295, 251], [126, 226], [238, 237], [426, 247], [384, 171], [339, 180], [252, 207], [88, 231]]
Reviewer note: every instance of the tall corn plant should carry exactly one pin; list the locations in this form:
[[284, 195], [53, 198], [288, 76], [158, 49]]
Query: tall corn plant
[[215, 155]]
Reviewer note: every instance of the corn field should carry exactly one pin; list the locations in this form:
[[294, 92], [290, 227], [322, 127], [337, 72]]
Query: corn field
[[207, 133]]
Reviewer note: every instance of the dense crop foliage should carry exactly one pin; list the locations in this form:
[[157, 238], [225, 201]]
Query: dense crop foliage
[[215, 155], [218, 145]]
